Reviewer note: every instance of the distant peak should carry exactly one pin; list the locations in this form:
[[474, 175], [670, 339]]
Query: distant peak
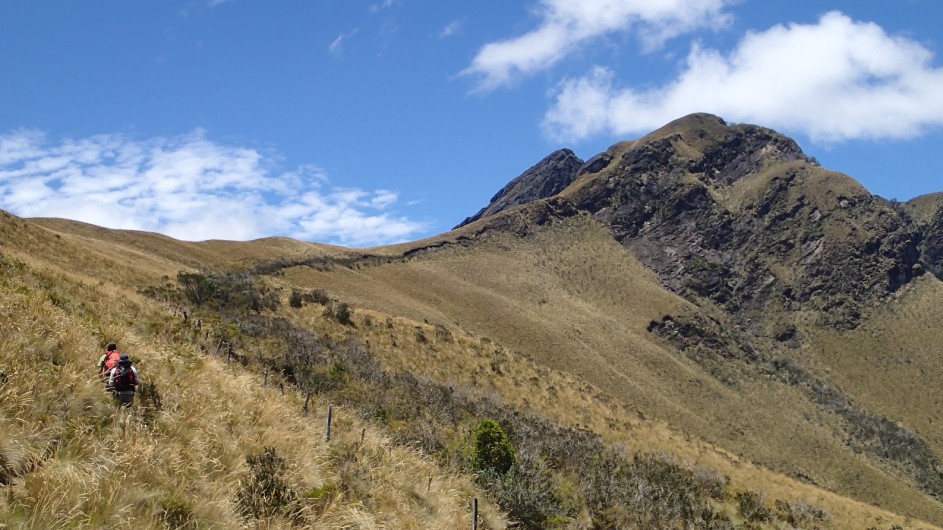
[[544, 179]]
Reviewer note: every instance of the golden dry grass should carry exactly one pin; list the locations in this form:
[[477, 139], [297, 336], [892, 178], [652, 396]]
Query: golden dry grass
[[72, 459], [556, 323], [552, 322]]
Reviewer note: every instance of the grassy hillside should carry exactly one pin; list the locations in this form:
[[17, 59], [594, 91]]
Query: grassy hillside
[[570, 298], [542, 325], [180, 458]]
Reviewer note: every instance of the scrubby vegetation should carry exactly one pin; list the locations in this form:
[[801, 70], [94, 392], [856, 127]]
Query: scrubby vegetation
[[542, 474], [205, 445], [866, 432]]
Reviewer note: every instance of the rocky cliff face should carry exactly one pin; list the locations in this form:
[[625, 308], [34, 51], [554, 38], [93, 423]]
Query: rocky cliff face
[[933, 244], [738, 215], [545, 179]]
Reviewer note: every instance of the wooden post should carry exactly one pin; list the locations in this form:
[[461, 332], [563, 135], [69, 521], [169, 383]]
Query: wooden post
[[429, 484], [475, 514], [327, 431], [218, 344], [304, 410], [265, 377], [363, 433]]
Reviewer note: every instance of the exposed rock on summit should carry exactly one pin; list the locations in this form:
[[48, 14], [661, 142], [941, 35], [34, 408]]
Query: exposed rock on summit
[[739, 215], [545, 179], [933, 244]]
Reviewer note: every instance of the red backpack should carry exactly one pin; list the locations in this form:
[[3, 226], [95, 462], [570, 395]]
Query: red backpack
[[124, 377], [111, 359]]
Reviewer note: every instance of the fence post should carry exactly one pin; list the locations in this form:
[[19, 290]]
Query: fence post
[[304, 410], [327, 431], [265, 377], [218, 344], [475, 514]]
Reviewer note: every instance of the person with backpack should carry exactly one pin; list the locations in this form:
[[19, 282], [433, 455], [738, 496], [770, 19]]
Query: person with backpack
[[122, 379], [108, 360]]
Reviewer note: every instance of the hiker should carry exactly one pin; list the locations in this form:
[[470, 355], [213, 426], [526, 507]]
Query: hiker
[[108, 360], [122, 379]]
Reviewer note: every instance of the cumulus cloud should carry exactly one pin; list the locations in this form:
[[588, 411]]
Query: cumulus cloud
[[565, 25], [190, 188], [835, 80]]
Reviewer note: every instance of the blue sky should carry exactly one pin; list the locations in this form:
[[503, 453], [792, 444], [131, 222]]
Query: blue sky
[[364, 123]]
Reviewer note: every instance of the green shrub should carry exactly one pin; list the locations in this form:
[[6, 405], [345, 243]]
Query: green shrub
[[295, 299], [198, 288], [344, 314], [234, 291], [493, 450], [317, 296]]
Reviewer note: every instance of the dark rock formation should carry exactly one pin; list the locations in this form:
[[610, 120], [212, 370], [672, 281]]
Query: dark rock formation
[[933, 245], [738, 215], [545, 179]]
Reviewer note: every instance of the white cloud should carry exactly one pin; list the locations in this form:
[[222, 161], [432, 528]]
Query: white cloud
[[384, 4], [567, 24], [189, 187], [835, 80], [337, 45], [451, 29]]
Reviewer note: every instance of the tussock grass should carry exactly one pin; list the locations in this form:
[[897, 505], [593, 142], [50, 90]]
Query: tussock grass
[[554, 322], [551, 322], [69, 458]]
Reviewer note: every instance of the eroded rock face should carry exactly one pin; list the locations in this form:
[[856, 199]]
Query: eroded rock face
[[545, 179], [739, 215], [933, 245]]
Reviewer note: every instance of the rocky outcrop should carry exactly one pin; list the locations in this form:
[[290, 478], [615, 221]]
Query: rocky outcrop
[[738, 215], [545, 179], [933, 245]]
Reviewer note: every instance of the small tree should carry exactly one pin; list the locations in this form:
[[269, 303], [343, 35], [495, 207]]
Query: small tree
[[493, 450], [198, 288], [295, 300], [344, 314]]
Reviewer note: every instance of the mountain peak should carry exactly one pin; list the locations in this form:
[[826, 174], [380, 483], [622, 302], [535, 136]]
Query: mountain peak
[[545, 179], [737, 215]]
